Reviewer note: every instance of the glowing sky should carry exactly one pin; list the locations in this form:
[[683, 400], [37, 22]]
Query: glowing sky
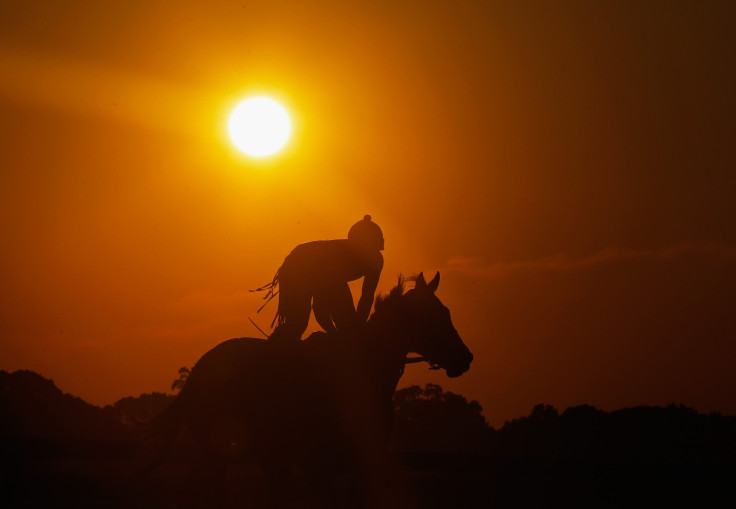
[[567, 166]]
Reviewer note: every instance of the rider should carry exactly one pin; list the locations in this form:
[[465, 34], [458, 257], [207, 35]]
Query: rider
[[315, 275]]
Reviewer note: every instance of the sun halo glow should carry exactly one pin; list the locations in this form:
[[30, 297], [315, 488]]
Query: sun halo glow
[[259, 126]]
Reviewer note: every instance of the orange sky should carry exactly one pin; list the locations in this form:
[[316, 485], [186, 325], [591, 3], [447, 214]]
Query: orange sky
[[569, 169]]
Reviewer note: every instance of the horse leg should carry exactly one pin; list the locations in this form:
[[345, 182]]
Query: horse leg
[[208, 474], [279, 483], [381, 483], [324, 486]]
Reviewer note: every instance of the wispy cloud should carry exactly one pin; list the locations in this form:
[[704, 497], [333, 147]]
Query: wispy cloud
[[95, 89], [479, 267]]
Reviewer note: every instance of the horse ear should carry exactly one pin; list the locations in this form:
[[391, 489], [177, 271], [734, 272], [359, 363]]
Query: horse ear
[[421, 283], [432, 285]]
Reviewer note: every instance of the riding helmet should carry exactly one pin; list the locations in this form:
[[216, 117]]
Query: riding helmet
[[367, 233]]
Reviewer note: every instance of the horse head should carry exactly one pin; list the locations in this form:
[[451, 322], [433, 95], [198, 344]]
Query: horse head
[[425, 324]]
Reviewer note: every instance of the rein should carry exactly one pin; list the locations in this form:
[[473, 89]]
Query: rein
[[414, 360]]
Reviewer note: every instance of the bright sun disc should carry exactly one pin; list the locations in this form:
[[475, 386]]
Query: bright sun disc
[[259, 126]]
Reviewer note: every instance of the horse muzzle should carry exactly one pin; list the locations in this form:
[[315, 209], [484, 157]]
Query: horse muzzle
[[459, 365]]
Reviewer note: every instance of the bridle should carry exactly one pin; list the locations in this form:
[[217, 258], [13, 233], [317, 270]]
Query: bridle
[[413, 360]]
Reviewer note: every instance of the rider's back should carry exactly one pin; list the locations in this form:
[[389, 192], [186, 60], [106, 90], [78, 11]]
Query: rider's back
[[328, 262]]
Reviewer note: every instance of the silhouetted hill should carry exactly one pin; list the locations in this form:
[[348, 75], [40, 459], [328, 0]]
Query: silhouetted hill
[[32, 406]]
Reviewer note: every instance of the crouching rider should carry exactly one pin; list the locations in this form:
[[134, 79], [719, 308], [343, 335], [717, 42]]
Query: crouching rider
[[315, 276]]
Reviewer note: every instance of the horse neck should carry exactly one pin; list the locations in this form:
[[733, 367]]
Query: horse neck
[[386, 350]]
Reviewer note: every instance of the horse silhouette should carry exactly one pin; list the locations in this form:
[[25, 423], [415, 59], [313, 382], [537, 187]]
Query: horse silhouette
[[323, 406]]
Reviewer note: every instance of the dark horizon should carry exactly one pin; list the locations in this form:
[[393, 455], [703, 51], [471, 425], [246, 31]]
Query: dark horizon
[[153, 402], [75, 454], [568, 168]]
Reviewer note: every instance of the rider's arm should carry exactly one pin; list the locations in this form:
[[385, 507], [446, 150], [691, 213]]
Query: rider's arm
[[370, 282]]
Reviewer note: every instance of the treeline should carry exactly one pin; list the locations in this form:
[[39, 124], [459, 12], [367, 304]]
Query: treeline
[[431, 420], [428, 419], [674, 434], [32, 406]]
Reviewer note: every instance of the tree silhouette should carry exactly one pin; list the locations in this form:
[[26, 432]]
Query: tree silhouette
[[537, 435], [179, 383], [429, 419], [142, 409]]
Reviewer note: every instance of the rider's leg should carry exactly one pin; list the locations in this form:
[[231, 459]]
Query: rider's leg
[[294, 311], [321, 306], [342, 308]]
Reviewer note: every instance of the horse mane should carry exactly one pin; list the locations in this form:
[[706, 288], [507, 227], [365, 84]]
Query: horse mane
[[383, 300], [396, 292]]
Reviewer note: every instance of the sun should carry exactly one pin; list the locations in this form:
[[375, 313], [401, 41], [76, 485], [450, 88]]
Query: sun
[[259, 126]]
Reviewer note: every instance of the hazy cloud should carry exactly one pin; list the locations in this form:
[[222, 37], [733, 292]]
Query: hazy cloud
[[479, 267]]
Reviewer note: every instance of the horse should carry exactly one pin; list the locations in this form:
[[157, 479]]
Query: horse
[[324, 405]]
